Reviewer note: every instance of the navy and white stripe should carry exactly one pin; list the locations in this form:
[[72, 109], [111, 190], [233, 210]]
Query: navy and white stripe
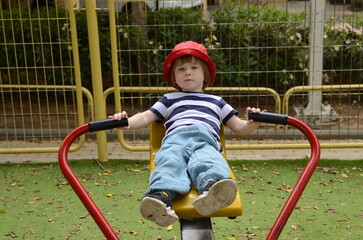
[[186, 108]]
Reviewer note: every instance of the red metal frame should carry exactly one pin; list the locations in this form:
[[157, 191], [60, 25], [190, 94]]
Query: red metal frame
[[76, 184], [302, 181], [275, 230]]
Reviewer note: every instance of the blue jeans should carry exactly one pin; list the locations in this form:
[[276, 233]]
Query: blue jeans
[[189, 155]]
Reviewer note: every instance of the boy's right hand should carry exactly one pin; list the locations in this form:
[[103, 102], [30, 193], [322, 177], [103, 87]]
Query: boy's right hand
[[119, 116]]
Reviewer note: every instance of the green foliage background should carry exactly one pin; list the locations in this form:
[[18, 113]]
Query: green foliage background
[[251, 46]]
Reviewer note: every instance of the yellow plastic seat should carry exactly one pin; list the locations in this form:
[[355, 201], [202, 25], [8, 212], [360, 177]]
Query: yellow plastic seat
[[183, 204]]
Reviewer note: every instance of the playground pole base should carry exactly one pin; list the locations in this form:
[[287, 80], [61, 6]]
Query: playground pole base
[[196, 229]]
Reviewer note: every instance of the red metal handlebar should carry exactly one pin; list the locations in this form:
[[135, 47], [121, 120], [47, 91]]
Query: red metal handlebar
[[302, 181], [275, 230], [76, 184]]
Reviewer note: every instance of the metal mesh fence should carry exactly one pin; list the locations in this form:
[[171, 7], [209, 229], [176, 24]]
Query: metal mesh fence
[[38, 101], [263, 44], [263, 50]]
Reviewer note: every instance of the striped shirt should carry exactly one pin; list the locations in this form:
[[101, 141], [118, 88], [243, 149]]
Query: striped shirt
[[186, 108]]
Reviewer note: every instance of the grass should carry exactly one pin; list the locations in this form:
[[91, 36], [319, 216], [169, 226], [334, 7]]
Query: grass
[[37, 203]]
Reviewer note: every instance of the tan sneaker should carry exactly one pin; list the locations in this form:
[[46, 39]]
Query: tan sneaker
[[216, 195]]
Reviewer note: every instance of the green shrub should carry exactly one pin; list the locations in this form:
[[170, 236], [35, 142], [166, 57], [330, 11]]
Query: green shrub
[[151, 44], [251, 45], [35, 41], [343, 55], [261, 46]]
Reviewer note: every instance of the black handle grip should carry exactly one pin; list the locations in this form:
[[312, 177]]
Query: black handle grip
[[268, 117], [107, 124]]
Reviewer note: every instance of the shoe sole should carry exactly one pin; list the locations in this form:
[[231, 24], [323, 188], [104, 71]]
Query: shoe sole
[[157, 211], [220, 195]]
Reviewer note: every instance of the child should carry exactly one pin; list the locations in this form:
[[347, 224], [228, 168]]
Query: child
[[190, 152]]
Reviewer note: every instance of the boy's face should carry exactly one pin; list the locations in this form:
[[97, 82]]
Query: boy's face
[[189, 76]]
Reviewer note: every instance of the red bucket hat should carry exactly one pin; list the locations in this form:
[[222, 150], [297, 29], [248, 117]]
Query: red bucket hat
[[188, 48]]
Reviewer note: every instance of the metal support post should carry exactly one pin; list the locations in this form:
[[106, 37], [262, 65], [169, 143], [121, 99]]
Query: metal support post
[[196, 229], [94, 47], [313, 109], [205, 10]]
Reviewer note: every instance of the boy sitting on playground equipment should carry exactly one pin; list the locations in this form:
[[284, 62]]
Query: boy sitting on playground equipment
[[190, 151]]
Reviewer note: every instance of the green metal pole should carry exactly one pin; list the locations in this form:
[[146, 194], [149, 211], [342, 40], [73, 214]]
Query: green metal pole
[[94, 47]]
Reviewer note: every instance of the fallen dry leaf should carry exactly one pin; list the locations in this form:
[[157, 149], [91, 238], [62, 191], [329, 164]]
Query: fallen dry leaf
[[341, 220], [11, 234], [134, 233], [83, 216], [37, 198], [294, 227]]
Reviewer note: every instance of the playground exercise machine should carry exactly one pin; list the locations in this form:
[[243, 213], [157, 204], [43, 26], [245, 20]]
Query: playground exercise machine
[[193, 225]]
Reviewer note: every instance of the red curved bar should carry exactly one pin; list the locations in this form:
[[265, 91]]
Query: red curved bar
[[76, 184], [302, 181], [275, 230]]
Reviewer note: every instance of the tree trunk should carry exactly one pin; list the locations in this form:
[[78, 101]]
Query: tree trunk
[[139, 18], [357, 5]]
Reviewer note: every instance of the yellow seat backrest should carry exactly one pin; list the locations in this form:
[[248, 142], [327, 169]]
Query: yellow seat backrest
[[183, 204]]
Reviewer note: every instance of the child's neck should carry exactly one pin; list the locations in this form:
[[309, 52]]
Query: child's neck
[[191, 91]]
